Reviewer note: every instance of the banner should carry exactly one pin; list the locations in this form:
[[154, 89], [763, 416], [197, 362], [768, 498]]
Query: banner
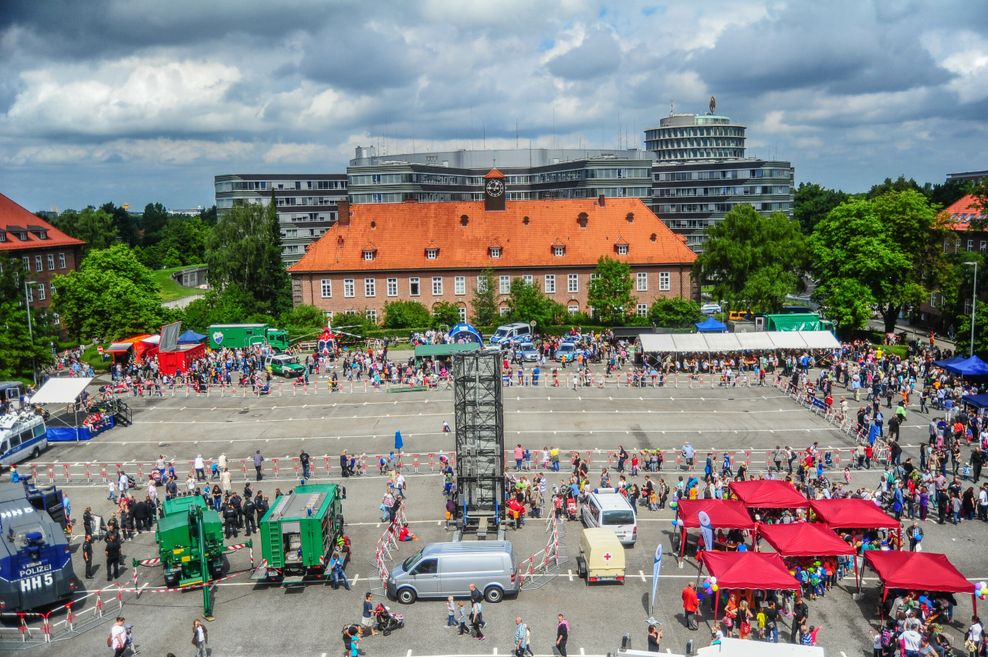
[[656, 567], [706, 529]]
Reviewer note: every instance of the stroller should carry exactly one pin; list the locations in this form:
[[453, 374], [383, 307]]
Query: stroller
[[387, 621], [130, 639]]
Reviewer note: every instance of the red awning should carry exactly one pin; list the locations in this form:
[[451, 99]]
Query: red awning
[[917, 571], [852, 514], [724, 514], [748, 570], [768, 494], [804, 539]]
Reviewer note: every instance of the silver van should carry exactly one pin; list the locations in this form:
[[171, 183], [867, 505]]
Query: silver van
[[605, 507], [439, 570]]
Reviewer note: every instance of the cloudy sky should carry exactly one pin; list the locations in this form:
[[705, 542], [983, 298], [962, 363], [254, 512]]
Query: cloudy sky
[[135, 101]]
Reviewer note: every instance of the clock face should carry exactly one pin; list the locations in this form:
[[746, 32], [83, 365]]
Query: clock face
[[495, 187]]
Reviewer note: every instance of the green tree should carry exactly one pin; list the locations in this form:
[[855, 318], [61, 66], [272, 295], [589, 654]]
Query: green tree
[[153, 221], [900, 184], [445, 314], [405, 314], [94, 227], [245, 250], [752, 261], [484, 301], [111, 296], [20, 353], [674, 313], [963, 337], [354, 323], [124, 223], [883, 252], [303, 320], [610, 291], [528, 303], [812, 202]]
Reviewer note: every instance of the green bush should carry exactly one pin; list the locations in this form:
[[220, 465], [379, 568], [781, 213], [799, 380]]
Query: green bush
[[445, 315], [404, 314]]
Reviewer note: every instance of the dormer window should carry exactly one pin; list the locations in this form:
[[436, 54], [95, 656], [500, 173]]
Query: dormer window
[[558, 250], [494, 251], [622, 249], [431, 254], [39, 231], [3, 236], [369, 254]]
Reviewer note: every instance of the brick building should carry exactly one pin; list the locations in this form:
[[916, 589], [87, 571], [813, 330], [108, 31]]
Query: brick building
[[45, 250], [435, 252]]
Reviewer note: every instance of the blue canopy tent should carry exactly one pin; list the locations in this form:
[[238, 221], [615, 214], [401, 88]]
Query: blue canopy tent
[[948, 361], [711, 325], [191, 337], [465, 333], [972, 366], [978, 401]]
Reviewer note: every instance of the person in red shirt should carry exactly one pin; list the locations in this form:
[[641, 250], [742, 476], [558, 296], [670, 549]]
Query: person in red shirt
[[691, 603]]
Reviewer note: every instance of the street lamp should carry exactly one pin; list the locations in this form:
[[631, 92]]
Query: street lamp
[[974, 300]]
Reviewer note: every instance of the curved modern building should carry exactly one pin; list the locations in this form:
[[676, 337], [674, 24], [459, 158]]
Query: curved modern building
[[689, 137]]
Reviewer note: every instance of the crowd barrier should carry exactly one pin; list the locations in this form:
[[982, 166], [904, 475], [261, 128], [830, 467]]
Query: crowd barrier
[[387, 545], [539, 562]]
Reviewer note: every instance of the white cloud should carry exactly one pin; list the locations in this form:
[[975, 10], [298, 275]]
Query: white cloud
[[298, 153], [156, 151]]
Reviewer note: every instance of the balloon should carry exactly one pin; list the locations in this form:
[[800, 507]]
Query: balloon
[[984, 591], [674, 505], [983, 584], [715, 588], [674, 522], [713, 580]]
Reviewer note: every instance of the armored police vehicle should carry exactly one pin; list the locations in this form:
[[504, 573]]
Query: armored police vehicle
[[35, 563]]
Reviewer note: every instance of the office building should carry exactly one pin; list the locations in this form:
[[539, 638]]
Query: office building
[[307, 203], [371, 257], [45, 251], [967, 176], [689, 137]]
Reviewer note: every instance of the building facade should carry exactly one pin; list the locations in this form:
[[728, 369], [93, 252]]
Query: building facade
[[370, 256], [691, 197], [689, 137], [44, 250], [307, 203], [535, 173]]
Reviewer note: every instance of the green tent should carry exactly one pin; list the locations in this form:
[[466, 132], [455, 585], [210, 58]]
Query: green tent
[[794, 322]]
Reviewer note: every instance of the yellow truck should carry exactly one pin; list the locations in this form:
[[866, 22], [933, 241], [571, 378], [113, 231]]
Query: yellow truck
[[601, 556]]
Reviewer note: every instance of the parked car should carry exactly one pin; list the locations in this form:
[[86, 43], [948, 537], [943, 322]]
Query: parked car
[[711, 309], [284, 365], [567, 352], [527, 352]]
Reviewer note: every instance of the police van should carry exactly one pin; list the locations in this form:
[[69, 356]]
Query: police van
[[507, 333], [607, 508], [22, 435]]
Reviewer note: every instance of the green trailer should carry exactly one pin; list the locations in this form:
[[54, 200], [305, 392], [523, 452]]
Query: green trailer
[[299, 533], [241, 336], [190, 542]]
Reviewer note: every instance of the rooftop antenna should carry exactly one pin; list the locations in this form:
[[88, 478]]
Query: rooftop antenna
[[672, 107], [713, 105]]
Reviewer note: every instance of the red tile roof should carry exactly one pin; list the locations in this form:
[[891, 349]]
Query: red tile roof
[[493, 173], [962, 212], [16, 218], [464, 232]]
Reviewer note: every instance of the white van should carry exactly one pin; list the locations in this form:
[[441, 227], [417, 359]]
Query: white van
[[605, 507], [508, 332], [442, 569]]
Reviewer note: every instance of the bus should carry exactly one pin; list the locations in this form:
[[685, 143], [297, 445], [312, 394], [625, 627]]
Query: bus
[[22, 435]]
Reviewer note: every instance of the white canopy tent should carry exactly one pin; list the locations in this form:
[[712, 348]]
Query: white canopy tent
[[694, 343], [61, 391]]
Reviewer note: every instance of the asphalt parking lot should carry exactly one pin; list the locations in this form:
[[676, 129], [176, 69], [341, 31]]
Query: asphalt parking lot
[[254, 619]]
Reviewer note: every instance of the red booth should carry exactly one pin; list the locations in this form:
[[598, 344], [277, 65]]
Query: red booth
[[854, 513], [918, 571], [756, 571], [806, 539], [724, 514], [171, 363], [768, 494]]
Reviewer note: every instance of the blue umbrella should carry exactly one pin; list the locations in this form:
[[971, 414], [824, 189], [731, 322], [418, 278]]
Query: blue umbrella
[[399, 443]]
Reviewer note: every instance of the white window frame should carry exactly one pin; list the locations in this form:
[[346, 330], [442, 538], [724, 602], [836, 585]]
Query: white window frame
[[641, 281], [326, 288], [494, 252], [61, 261], [41, 292], [392, 287], [437, 286], [572, 309], [30, 294], [27, 263], [641, 309], [460, 285], [528, 278], [559, 251], [370, 287], [665, 281], [463, 313], [503, 311], [622, 249], [417, 282], [369, 254], [51, 261], [481, 284], [349, 288], [549, 283], [432, 254], [504, 285], [371, 314], [39, 265], [573, 283]]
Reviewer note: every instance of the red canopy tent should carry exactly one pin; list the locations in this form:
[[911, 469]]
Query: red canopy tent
[[724, 514], [171, 363], [918, 571], [768, 494], [806, 539], [855, 513], [760, 571]]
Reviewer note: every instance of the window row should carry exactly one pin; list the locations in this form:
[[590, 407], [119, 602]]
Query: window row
[[39, 262]]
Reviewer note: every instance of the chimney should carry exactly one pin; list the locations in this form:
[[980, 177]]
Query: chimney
[[600, 200], [343, 210]]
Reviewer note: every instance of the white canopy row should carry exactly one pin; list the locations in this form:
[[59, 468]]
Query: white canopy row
[[688, 343]]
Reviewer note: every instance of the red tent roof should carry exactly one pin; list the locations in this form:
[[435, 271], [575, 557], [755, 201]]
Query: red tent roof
[[852, 513], [918, 571], [768, 494], [804, 539], [724, 514], [748, 570]]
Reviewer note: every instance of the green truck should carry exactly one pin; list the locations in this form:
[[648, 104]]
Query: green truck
[[240, 336], [300, 531], [190, 542]]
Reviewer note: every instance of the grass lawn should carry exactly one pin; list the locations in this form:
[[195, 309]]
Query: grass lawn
[[170, 290]]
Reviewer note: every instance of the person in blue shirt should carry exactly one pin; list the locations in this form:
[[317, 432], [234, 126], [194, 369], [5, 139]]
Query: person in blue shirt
[[337, 573]]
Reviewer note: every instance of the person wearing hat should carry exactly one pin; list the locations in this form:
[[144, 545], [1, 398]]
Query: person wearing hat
[[14, 475]]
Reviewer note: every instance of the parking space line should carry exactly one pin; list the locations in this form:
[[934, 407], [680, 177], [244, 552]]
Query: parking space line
[[641, 574], [569, 573]]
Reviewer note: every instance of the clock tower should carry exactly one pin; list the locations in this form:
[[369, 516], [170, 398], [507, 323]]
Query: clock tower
[[494, 191]]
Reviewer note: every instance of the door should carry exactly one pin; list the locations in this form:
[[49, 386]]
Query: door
[[425, 577]]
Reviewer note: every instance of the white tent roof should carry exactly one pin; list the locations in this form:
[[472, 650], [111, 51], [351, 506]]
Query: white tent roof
[[61, 391], [693, 343]]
